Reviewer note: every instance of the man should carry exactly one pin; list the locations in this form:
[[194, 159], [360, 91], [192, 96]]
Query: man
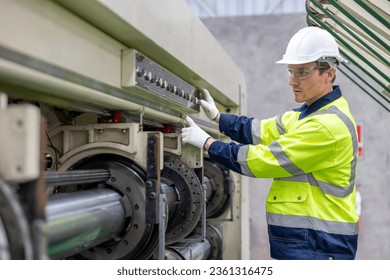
[[311, 152]]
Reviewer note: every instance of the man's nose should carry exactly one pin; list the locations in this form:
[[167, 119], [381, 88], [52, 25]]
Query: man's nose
[[293, 80]]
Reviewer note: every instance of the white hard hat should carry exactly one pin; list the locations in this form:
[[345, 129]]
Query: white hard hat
[[312, 44]]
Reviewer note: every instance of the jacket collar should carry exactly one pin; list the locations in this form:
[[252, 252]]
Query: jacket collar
[[326, 99]]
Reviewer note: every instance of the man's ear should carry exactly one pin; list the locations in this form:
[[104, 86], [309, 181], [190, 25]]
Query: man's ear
[[331, 73]]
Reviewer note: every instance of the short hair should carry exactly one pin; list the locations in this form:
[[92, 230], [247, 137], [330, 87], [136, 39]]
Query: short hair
[[324, 66]]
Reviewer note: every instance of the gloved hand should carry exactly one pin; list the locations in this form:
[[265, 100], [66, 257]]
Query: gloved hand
[[194, 135], [208, 105]]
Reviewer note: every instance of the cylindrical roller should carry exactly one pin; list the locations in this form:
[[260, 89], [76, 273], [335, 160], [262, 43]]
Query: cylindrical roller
[[172, 199], [219, 187], [194, 248], [4, 246], [190, 250], [182, 189], [59, 178], [83, 219], [137, 239], [15, 234]]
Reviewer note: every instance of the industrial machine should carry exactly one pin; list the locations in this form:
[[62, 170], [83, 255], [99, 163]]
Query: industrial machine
[[93, 96]]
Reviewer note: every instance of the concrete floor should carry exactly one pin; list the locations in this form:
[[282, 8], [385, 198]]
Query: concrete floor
[[255, 43]]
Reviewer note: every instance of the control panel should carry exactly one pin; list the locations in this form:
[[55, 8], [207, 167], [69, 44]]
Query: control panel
[[146, 78]]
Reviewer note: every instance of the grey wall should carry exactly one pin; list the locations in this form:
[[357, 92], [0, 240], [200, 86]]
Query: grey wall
[[255, 43]]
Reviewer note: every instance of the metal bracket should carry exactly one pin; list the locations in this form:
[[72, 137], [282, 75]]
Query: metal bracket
[[152, 190], [155, 203], [204, 214], [162, 226]]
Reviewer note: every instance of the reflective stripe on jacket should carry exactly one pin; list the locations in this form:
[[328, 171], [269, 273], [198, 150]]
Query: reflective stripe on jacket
[[311, 153]]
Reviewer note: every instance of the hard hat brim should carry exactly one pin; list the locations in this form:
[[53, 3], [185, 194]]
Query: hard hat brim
[[340, 59], [291, 61]]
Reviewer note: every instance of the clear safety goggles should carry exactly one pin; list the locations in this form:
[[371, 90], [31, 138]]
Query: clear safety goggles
[[303, 73]]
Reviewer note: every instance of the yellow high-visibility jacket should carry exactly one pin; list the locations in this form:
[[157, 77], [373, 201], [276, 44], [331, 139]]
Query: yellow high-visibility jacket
[[311, 153]]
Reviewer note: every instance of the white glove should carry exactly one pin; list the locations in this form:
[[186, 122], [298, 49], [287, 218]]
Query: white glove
[[208, 104], [194, 135]]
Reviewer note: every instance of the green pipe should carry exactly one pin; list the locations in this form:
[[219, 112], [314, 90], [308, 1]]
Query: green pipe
[[372, 12], [363, 89], [358, 23], [319, 22], [329, 15]]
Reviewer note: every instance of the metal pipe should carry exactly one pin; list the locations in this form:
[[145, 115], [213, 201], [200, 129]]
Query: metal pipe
[[58, 178], [190, 250], [61, 91], [80, 220]]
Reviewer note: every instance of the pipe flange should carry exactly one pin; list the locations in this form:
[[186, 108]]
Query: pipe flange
[[182, 222], [213, 245], [139, 239]]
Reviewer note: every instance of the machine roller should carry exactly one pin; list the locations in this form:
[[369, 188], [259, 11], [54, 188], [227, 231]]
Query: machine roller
[[122, 198], [96, 210]]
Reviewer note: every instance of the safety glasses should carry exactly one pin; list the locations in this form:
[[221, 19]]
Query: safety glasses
[[303, 73]]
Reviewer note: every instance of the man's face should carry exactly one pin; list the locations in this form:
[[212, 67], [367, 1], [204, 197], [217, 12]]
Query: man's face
[[307, 83]]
